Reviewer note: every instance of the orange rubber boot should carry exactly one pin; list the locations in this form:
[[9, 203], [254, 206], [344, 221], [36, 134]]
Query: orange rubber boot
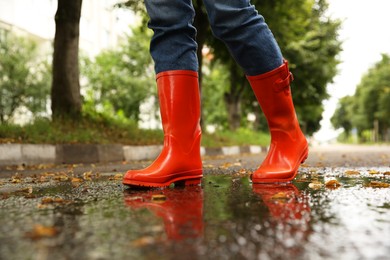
[[289, 147], [179, 161]]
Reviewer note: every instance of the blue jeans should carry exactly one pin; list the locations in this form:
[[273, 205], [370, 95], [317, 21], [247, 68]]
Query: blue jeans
[[235, 22]]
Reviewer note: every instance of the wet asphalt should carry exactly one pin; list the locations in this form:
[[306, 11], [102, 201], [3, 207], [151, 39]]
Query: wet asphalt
[[338, 207]]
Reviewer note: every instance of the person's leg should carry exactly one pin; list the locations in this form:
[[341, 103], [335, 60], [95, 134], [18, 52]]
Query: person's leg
[[245, 33], [247, 36], [173, 48], [173, 45]]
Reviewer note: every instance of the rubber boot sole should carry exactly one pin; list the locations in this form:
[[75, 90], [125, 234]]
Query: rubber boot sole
[[180, 181]]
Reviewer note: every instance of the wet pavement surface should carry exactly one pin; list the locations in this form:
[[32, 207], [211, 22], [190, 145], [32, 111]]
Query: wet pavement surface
[[338, 207]]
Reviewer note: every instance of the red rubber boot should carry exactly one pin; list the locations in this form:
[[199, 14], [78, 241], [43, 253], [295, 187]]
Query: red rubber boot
[[179, 160], [289, 147]]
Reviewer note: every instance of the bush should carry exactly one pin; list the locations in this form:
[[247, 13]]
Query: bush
[[24, 78]]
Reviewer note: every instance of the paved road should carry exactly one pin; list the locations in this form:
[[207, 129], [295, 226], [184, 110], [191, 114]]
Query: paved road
[[320, 156], [337, 208]]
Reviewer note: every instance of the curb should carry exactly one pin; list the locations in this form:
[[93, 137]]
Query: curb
[[29, 154]]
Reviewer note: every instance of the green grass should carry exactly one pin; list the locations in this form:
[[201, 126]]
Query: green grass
[[86, 130], [99, 130], [240, 137]]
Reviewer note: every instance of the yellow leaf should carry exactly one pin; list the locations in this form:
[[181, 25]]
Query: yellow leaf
[[118, 176], [373, 172], [378, 184], [15, 180], [315, 185], [352, 173], [159, 197], [87, 176], [280, 196]]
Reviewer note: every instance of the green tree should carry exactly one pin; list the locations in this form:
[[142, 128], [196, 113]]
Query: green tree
[[213, 88], [372, 99], [314, 63], [24, 77], [368, 109], [308, 38], [122, 78], [342, 117]]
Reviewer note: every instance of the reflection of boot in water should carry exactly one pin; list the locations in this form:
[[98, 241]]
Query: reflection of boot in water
[[180, 209], [285, 202], [287, 227]]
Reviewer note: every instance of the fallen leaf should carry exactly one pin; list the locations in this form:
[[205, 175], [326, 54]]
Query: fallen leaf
[[76, 184], [42, 206], [76, 179], [28, 190], [378, 184], [87, 176], [373, 172], [40, 231], [143, 241], [61, 177], [118, 176], [352, 172], [386, 173], [332, 184], [315, 185], [49, 200], [281, 197], [243, 171], [15, 180], [159, 197], [51, 174], [226, 165], [41, 179], [45, 166]]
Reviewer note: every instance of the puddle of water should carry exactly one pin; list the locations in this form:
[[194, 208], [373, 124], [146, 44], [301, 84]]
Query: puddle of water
[[227, 217]]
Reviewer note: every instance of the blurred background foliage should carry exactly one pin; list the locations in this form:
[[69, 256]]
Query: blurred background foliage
[[116, 82], [119, 80], [366, 114], [24, 78]]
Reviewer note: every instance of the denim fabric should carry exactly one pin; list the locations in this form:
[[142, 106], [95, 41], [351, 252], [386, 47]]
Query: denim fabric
[[235, 22]]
